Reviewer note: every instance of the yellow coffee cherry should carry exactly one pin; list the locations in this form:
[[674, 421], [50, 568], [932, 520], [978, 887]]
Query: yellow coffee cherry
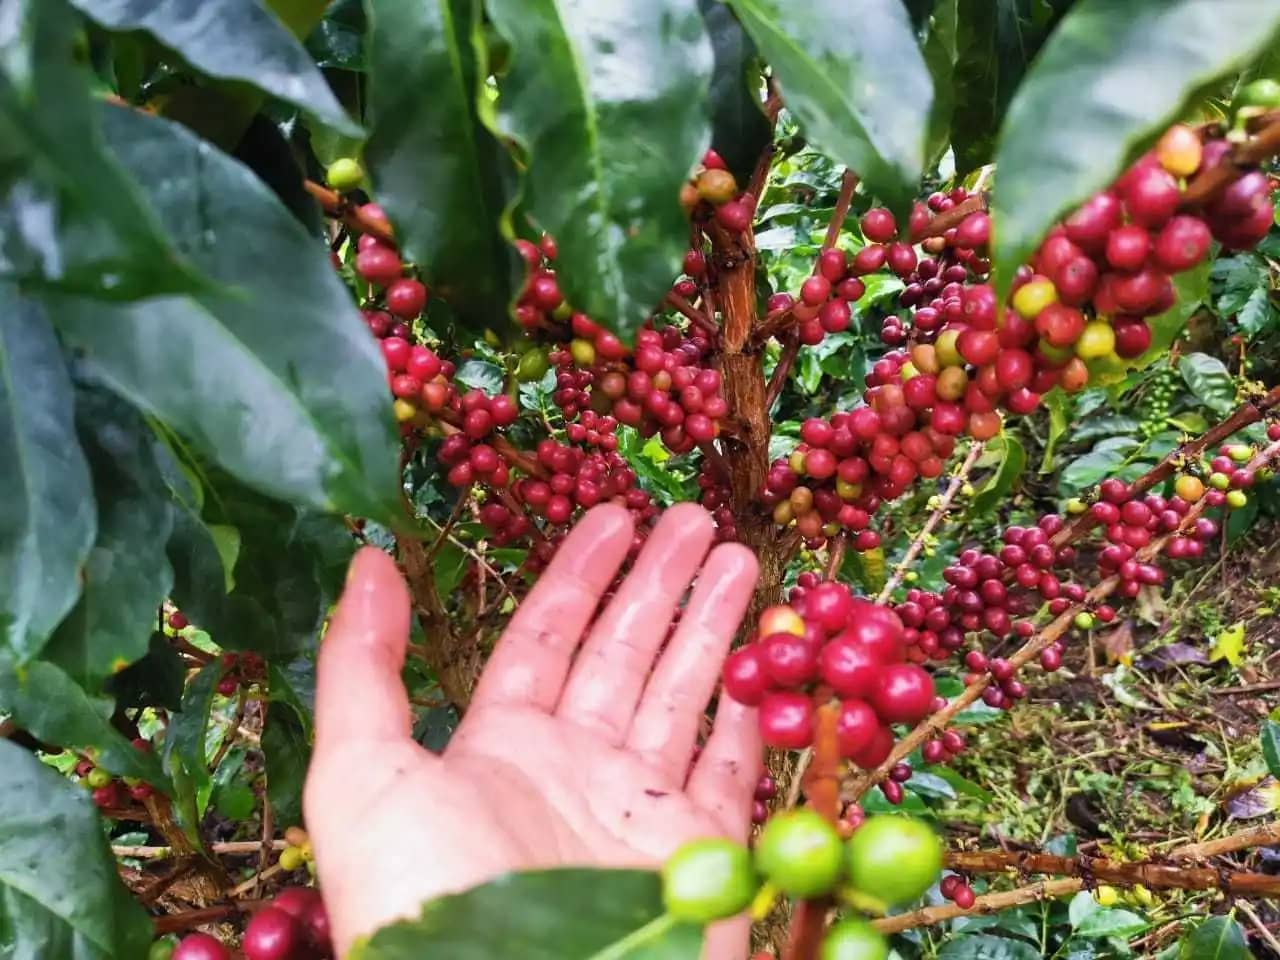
[[1034, 295]]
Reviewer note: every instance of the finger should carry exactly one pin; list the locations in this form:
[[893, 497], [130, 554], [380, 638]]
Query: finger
[[531, 660], [723, 781], [665, 727], [614, 663], [359, 694]]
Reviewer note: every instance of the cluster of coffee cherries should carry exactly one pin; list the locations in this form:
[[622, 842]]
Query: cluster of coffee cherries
[[846, 467], [889, 861], [665, 387], [825, 639], [712, 193], [293, 926], [108, 791], [297, 852], [240, 671], [420, 381], [717, 497], [380, 266], [823, 303], [1079, 311]]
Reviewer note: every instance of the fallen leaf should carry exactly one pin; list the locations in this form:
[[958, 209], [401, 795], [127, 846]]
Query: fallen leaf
[[1229, 645], [1118, 643], [1259, 801]]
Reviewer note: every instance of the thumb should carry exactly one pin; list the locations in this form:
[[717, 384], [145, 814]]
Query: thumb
[[359, 694]]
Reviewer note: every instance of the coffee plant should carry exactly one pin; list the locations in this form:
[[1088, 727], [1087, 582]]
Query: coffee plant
[[282, 278]]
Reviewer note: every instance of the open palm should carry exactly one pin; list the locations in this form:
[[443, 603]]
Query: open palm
[[576, 748]]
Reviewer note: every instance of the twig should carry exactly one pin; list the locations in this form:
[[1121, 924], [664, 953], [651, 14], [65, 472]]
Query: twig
[[1247, 688], [695, 316], [848, 184], [933, 725], [233, 848], [260, 877], [335, 205], [822, 789], [1147, 873], [836, 549], [935, 518], [1266, 143], [944, 221], [779, 377], [229, 737], [1258, 925], [1249, 412]]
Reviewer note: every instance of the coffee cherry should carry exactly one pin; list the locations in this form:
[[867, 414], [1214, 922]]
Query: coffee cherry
[[379, 265], [200, 946], [902, 693], [708, 880], [272, 934], [964, 897], [786, 720], [853, 939], [800, 853], [878, 225], [716, 186], [344, 174], [894, 859]]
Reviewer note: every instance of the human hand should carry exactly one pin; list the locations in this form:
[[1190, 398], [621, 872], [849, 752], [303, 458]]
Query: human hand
[[573, 752]]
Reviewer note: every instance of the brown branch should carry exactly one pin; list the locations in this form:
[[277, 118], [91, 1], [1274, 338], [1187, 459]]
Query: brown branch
[[779, 378], [935, 518], [441, 647], [934, 725], [837, 546], [692, 313], [1207, 185], [177, 922], [229, 737], [985, 904], [235, 848], [1249, 412], [822, 790], [1264, 836], [351, 215], [848, 184], [940, 224]]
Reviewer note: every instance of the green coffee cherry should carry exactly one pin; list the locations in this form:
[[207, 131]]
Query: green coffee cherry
[[532, 366], [1084, 620], [1236, 499], [894, 859], [853, 939], [800, 853], [1219, 481], [708, 880], [344, 174], [161, 949], [1259, 93], [97, 778]]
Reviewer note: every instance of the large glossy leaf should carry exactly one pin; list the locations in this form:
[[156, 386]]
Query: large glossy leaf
[[74, 219], [437, 170], [230, 40], [287, 571], [1112, 76], [286, 746], [739, 128], [60, 895], [987, 947], [1218, 938], [157, 680], [274, 376], [126, 576], [855, 79], [47, 516], [996, 489], [47, 703], [995, 43], [610, 103], [569, 914], [1210, 382]]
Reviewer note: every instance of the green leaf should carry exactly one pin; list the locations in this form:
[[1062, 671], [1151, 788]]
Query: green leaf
[[987, 947], [482, 375], [1013, 460], [230, 40], [1271, 746], [609, 101], [185, 738], [1109, 80], [1218, 938], [1092, 920], [338, 40], [939, 49], [127, 575], [1058, 404], [439, 173], [154, 681], [1209, 381], [739, 129], [287, 750], [275, 376], [47, 516], [567, 914], [857, 82], [75, 220], [47, 703], [287, 572], [1101, 462], [60, 894], [995, 42], [1243, 285]]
